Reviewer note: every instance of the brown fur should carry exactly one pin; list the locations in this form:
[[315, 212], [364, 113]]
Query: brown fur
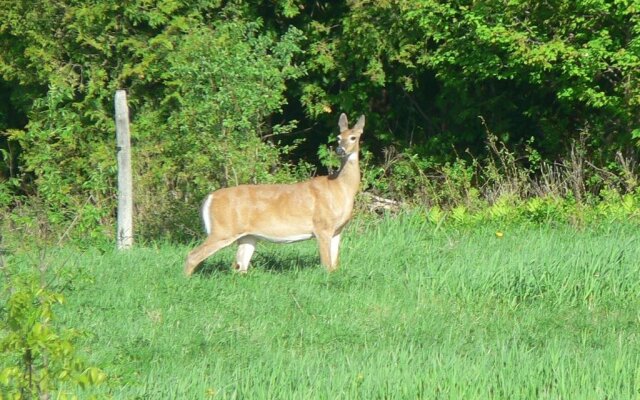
[[319, 207]]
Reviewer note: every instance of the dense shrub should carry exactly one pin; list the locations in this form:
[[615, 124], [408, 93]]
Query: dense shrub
[[467, 104], [202, 90]]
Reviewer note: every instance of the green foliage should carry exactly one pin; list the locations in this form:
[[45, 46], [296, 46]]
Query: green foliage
[[221, 86], [538, 211], [426, 69], [401, 176], [203, 84], [218, 90], [509, 188], [38, 357]]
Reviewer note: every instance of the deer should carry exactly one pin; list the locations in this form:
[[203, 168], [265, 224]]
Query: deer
[[317, 208]]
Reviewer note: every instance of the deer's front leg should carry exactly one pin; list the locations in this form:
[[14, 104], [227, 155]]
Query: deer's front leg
[[324, 245], [334, 251]]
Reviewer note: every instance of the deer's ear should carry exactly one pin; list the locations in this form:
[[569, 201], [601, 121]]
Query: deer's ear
[[359, 126], [343, 123]]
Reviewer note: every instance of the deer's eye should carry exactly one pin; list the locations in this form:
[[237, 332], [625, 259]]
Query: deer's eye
[[352, 138]]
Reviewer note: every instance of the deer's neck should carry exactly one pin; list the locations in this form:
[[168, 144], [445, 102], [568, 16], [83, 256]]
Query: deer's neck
[[348, 176]]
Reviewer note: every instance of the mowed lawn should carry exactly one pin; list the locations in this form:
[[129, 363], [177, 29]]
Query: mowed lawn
[[415, 312]]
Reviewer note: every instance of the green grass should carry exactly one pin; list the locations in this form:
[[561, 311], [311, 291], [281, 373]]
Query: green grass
[[414, 312]]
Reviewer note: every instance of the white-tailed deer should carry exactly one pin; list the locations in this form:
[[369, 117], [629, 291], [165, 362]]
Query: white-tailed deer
[[319, 207]]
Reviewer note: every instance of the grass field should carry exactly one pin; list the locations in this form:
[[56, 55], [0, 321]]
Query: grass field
[[414, 312]]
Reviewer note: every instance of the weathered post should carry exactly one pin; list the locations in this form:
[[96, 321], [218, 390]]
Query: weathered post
[[125, 185]]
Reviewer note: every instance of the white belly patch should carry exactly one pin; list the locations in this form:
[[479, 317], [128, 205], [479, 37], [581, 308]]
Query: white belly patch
[[285, 239]]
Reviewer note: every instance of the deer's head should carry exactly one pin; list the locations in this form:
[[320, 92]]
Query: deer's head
[[349, 139]]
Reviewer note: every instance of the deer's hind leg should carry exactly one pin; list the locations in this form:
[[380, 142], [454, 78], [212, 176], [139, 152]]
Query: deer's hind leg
[[211, 245], [246, 247]]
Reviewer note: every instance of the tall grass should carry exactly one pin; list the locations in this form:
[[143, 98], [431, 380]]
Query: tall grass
[[504, 174], [415, 311]]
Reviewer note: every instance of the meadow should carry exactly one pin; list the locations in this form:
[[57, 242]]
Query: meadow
[[415, 311]]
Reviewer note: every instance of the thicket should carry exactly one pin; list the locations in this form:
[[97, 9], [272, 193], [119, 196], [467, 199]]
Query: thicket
[[468, 104]]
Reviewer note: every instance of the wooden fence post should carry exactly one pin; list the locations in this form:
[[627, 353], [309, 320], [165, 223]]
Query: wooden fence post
[[125, 185]]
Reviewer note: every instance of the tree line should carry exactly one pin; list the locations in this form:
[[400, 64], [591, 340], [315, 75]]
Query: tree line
[[227, 92]]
